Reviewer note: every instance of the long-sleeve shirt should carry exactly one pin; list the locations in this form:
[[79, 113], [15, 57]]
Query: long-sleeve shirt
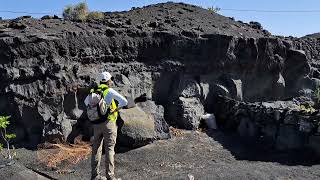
[[112, 94]]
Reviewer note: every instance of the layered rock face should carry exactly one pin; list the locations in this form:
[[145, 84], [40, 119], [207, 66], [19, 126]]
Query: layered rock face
[[312, 48], [180, 56]]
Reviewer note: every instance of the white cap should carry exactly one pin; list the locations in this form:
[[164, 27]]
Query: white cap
[[104, 77]]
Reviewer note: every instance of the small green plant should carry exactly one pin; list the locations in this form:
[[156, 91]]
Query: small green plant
[[4, 123], [214, 9], [307, 108], [95, 15]]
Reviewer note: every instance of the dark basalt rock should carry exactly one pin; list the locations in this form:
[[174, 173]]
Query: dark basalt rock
[[280, 122], [181, 59], [256, 25]]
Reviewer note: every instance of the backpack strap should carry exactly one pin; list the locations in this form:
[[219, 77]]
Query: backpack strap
[[102, 92]]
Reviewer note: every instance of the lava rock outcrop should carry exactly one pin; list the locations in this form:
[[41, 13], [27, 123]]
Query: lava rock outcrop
[[179, 55]]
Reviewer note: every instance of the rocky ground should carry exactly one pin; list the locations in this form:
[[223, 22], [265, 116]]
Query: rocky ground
[[170, 17], [210, 155], [179, 58]]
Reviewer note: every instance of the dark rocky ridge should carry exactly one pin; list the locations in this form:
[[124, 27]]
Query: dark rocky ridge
[[179, 55], [314, 35], [312, 48]]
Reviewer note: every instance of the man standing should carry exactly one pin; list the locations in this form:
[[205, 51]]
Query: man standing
[[105, 130]]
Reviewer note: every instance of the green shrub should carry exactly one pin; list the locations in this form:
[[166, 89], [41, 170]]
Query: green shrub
[[67, 13], [4, 122], [214, 9], [95, 15], [79, 12]]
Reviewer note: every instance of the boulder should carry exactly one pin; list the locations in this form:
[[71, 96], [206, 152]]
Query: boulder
[[190, 88], [186, 86], [157, 111], [296, 71], [255, 25], [187, 112], [138, 128], [56, 124], [46, 17], [233, 85]]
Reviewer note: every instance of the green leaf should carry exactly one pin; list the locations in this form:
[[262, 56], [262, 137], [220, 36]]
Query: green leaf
[[10, 136], [1, 147], [307, 108], [4, 122]]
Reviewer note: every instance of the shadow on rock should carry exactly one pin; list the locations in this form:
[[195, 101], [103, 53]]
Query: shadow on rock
[[260, 149]]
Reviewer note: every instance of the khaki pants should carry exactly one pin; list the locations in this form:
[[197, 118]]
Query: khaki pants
[[107, 132]]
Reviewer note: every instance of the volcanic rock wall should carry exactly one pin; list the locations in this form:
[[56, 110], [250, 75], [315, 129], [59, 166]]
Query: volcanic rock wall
[[47, 66], [310, 45], [312, 48], [281, 124]]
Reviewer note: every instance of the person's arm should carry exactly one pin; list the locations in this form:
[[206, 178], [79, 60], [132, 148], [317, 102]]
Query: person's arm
[[112, 94]]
